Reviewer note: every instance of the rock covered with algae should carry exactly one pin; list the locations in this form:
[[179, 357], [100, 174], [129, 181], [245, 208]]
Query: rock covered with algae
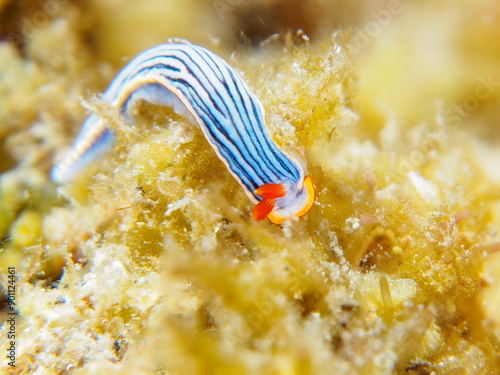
[[149, 263]]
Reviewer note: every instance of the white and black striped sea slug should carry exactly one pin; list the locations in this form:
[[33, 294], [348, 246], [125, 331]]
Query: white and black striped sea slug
[[198, 84]]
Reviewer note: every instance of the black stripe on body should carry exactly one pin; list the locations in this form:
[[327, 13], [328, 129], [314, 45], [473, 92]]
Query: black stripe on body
[[223, 103]]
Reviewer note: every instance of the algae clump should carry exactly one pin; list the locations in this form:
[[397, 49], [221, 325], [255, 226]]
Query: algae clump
[[149, 263]]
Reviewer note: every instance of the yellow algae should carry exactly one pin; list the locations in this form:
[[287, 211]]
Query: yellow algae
[[26, 230], [148, 262]]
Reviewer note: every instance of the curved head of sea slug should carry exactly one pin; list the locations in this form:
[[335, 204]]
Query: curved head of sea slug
[[284, 201]]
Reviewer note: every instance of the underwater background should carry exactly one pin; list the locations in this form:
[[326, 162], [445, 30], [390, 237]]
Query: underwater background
[[148, 263]]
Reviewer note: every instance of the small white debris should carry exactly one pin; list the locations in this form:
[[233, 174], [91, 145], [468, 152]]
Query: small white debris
[[425, 188]]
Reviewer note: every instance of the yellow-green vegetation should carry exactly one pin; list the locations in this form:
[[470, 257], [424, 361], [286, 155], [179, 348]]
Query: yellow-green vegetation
[[148, 263]]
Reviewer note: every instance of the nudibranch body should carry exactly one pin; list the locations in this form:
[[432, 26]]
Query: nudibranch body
[[201, 86]]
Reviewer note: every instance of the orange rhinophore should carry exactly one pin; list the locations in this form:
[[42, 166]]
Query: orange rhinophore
[[271, 191], [279, 203], [262, 209]]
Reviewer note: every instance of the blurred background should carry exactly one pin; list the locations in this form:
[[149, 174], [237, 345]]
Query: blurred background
[[421, 66]]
